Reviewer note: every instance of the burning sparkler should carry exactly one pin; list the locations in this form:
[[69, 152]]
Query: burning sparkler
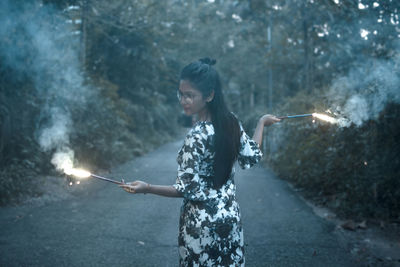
[[85, 174], [315, 115], [64, 162]]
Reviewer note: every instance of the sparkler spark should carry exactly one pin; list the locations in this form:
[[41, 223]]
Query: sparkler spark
[[77, 172], [80, 173], [325, 118], [64, 162]]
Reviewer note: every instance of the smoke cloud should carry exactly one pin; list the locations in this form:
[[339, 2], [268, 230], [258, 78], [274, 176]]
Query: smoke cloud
[[57, 134], [40, 42], [366, 90]]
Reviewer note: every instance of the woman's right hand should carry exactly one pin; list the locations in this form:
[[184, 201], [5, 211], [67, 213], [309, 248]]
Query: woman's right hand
[[136, 187], [269, 119]]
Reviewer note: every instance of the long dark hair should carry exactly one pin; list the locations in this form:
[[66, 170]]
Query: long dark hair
[[203, 77]]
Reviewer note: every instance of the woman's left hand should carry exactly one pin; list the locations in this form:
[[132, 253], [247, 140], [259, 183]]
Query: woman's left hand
[[269, 119], [135, 187]]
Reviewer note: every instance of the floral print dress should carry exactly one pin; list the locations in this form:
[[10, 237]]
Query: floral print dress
[[210, 230]]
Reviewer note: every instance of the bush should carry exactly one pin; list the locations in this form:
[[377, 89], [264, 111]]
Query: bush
[[353, 170]]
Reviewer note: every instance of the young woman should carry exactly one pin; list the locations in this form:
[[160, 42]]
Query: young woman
[[210, 230]]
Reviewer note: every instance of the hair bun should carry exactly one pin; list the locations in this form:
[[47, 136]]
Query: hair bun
[[208, 61]]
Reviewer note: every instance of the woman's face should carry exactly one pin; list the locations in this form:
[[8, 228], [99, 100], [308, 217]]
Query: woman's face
[[191, 99]]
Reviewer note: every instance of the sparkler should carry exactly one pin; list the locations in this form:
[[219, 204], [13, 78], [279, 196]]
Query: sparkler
[[85, 174], [315, 115]]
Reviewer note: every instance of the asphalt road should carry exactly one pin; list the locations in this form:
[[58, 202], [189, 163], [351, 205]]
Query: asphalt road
[[101, 225]]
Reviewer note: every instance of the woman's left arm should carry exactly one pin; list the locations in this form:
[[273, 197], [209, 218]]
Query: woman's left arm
[[138, 187], [265, 120]]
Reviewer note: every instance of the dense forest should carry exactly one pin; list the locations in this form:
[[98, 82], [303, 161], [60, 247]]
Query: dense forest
[[96, 81]]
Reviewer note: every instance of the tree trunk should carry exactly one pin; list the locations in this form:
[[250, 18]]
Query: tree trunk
[[84, 14], [306, 79], [252, 96], [270, 82]]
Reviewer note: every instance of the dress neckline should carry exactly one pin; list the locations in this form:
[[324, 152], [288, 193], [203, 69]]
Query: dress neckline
[[198, 122]]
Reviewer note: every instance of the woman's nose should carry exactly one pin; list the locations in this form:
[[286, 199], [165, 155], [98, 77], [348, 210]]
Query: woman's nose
[[184, 100]]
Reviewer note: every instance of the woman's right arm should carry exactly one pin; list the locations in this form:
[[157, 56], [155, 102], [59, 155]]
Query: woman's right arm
[[138, 187], [164, 190]]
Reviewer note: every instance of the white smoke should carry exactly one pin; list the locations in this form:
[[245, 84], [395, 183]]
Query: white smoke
[[56, 135], [48, 53], [63, 159], [357, 109], [365, 91]]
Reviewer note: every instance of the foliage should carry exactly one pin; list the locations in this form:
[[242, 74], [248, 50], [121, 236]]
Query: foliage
[[353, 170]]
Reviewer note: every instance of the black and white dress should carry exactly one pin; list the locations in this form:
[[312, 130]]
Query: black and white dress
[[210, 230]]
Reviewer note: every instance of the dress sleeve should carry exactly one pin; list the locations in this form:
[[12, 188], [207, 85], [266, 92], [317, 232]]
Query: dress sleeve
[[249, 153], [188, 181]]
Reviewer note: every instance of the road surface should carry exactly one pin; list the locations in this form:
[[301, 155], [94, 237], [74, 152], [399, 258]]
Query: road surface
[[101, 225]]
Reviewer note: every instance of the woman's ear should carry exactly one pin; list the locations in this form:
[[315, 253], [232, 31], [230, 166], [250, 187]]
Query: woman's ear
[[211, 97]]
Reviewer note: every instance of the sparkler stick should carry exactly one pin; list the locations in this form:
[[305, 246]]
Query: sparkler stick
[[295, 116], [106, 179]]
